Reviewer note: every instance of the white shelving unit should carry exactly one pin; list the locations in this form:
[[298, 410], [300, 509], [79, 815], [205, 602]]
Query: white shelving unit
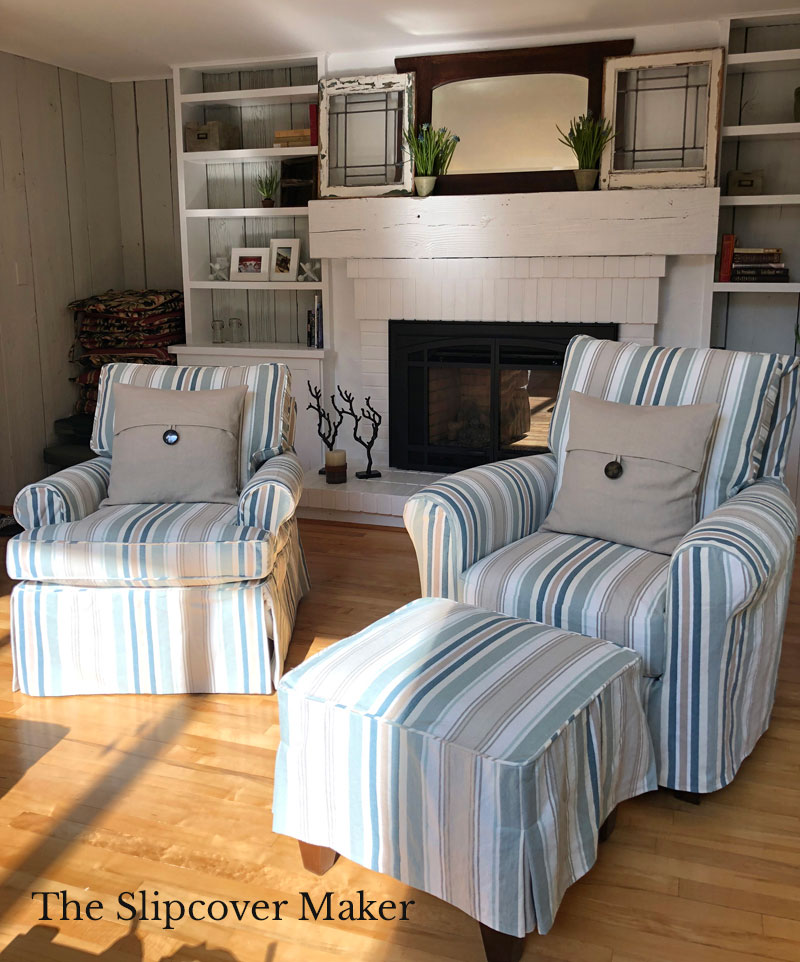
[[220, 210], [760, 133]]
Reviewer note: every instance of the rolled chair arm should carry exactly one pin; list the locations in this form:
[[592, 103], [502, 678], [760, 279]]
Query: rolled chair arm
[[465, 517], [727, 594], [67, 495], [271, 496]]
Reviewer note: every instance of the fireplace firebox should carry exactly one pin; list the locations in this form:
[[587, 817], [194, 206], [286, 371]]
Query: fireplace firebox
[[466, 393]]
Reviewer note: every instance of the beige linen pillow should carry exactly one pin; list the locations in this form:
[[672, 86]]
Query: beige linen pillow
[[631, 472], [175, 446]]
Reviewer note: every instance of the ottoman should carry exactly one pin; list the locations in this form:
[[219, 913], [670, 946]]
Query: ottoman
[[466, 753]]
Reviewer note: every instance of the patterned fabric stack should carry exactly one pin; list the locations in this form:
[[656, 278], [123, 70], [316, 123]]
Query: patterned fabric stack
[[135, 326]]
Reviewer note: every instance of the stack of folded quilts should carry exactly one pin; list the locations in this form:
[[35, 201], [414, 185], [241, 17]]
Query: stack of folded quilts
[[136, 326]]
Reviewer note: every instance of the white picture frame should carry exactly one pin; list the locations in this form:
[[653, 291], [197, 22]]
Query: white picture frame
[[249, 264], [401, 83], [284, 257], [612, 178]]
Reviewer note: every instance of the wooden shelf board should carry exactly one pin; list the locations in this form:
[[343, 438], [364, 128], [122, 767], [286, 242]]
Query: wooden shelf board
[[306, 93], [764, 61], [768, 131], [760, 200], [256, 285], [210, 212], [249, 347], [756, 288], [250, 153]]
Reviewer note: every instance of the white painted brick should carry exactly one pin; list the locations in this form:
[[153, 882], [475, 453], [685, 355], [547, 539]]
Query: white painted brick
[[487, 300], [603, 307], [536, 266], [384, 503], [580, 267], [588, 300], [460, 300], [384, 298], [474, 299], [551, 266], [515, 291], [658, 265], [529, 299], [619, 300], [650, 301], [352, 267], [611, 266], [573, 311], [398, 503], [558, 300], [506, 266], [369, 502], [434, 300], [501, 299], [635, 304], [396, 298], [596, 265], [409, 298], [565, 266], [521, 267], [544, 304], [371, 298], [360, 300], [627, 267], [448, 300], [641, 265]]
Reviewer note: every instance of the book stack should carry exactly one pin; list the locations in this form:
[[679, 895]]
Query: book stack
[[314, 335], [751, 265], [293, 138]]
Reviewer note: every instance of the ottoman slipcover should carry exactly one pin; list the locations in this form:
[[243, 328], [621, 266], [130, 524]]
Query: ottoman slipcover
[[465, 753]]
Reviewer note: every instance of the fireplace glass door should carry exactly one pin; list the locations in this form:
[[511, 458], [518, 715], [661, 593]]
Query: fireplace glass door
[[462, 394]]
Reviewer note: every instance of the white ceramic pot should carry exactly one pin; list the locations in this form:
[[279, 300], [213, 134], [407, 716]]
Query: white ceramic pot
[[586, 179], [424, 185]]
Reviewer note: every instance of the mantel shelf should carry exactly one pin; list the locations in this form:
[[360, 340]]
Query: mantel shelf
[[548, 224], [211, 212]]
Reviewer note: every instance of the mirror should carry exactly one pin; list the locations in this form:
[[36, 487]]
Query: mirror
[[509, 123]]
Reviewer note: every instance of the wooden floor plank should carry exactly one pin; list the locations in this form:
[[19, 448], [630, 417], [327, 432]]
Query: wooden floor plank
[[102, 795]]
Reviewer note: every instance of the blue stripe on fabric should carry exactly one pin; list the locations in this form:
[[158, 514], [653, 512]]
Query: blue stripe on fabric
[[37, 618], [134, 644], [148, 621], [695, 652], [243, 641]]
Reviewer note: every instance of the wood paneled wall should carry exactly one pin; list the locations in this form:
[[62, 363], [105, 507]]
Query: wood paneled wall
[[89, 201], [144, 124], [59, 239]]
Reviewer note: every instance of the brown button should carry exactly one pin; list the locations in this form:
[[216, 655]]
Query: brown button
[[613, 470]]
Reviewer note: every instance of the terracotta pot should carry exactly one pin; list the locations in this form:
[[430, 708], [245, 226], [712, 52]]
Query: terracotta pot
[[267, 202], [424, 185], [586, 179]]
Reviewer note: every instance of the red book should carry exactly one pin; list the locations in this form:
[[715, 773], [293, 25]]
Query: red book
[[312, 123], [726, 257]]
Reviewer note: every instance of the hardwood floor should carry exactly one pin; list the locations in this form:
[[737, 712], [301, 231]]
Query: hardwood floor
[[104, 795]]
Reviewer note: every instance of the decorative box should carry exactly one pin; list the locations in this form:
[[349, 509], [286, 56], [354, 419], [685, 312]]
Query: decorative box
[[742, 183], [213, 135]]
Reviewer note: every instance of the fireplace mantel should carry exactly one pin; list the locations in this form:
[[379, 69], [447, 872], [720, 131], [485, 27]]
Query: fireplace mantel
[[568, 224]]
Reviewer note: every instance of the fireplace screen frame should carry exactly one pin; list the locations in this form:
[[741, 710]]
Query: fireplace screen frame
[[407, 337]]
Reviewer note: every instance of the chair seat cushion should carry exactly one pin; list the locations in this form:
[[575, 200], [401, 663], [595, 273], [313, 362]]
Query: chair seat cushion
[[145, 545], [592, 587]]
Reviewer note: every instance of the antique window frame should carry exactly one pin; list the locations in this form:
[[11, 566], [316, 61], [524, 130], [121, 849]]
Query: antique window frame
[[334, 87], [665, 177]]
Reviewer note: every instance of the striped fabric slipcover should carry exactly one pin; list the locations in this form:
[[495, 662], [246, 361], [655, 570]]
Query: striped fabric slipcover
[[708, 621], [468, 754], [162, 598], [266, 417]]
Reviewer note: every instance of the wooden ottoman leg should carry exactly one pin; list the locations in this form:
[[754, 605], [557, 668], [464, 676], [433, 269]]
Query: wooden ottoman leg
[[607, 827], [500, 947], [317, 858]]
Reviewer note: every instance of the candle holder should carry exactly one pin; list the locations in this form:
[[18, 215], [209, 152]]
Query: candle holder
[[336, 466]]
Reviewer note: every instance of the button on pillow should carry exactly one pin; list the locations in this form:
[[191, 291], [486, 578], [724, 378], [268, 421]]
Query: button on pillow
[[632, 472], [175, 446]]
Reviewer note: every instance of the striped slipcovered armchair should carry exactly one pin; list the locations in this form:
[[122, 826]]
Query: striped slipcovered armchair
[[708, 620], [162, 598]]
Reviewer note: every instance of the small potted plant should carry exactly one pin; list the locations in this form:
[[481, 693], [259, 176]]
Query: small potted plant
[[587, 139], [431, 150], [267, 185]]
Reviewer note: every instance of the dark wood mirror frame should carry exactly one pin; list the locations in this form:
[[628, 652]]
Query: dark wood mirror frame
[[583, 59]]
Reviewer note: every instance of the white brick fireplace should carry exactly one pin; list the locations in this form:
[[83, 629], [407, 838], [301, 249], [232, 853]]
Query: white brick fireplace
[[623, 257]]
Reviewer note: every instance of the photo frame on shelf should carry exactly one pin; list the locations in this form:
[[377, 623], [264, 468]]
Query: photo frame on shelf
[[284, 256], [665, 110], [250, 264]]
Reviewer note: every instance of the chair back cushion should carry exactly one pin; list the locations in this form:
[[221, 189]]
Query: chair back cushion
[[744, 385], [776, 450], [267, 416]]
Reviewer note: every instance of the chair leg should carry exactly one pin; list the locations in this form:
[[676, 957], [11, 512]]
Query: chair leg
[[693, 798], [317, 858], [607, 827], [500, 947]]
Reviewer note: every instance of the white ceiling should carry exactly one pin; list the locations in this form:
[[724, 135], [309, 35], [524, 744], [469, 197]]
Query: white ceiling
[[124, 39]]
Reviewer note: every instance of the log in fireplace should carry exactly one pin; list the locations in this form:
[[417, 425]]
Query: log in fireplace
[[466, 393]]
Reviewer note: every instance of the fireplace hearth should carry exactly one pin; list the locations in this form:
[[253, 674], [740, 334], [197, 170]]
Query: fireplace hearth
[[467, 393]]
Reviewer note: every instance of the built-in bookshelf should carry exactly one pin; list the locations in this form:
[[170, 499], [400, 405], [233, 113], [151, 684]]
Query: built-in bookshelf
[[220, 206], [760, 133]]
